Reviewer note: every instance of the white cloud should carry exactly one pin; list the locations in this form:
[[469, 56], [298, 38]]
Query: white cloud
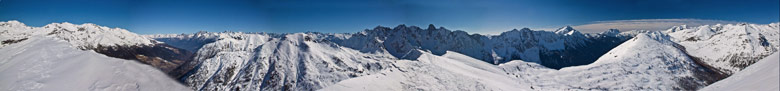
[[644, 24]]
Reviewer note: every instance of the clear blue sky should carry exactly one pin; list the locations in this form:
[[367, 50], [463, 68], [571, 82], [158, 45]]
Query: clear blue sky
[[283, 16]]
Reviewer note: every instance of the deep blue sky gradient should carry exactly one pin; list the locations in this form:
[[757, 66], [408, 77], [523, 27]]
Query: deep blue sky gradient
[[347, 16]]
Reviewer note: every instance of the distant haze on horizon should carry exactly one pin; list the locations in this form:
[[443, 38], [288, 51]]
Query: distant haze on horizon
[[349, 16]]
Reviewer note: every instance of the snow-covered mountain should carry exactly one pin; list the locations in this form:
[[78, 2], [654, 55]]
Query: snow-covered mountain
[[728, 48], [42, 63], [412, 58], [113, 42], [84, 36], [552, 49], [763, 76], [239, 50], [255, 61], [650, 61]]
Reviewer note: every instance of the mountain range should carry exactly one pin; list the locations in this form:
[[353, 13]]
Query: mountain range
[[384, 58]]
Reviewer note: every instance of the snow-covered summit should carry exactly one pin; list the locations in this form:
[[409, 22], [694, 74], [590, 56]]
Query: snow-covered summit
[[12, 23], [568, 30], [564, 30]]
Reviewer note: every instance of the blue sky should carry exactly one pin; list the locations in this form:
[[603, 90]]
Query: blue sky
[[347, 16]]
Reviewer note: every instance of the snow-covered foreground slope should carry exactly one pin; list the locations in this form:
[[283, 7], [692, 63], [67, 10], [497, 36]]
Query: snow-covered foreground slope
[[764, 75], [47, 64], [450, 72]]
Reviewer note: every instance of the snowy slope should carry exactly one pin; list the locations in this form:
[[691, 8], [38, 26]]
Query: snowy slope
[[650, 61], [243, 61], [730, 47], [260, 61], [764, 75], [64, 68], [113, 42], [367, 60], [453, 71]]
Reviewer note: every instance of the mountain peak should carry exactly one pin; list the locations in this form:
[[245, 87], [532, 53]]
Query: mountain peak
[[525, 29], [400, 27], [611, 32], [676, 28], [431, 27], [568, 30], [12, 23], [564, 30]]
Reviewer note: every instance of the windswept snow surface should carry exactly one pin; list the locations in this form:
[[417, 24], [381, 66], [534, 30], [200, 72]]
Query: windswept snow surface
[[764, 75], [48, 64]]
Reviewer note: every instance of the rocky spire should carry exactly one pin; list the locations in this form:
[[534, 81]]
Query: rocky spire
[[431, 27]]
